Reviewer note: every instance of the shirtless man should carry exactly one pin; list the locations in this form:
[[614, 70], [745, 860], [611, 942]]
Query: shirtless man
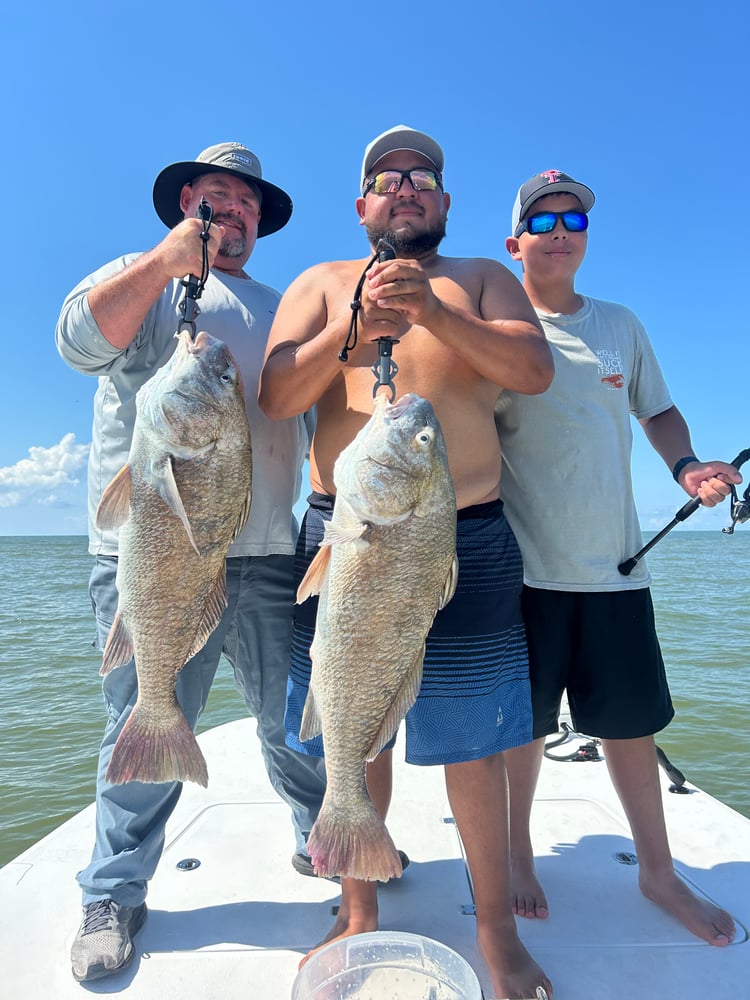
[[465, 329]]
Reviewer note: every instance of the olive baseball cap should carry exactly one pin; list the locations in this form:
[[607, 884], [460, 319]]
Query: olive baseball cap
[[401, 137], [548, 182], [224, 158]]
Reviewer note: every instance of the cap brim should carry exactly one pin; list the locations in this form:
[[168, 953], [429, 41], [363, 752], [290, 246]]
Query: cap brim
[[276, 209]]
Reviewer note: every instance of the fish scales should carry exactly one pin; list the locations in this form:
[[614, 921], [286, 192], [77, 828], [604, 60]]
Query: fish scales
[[386, 566], [180, 500]]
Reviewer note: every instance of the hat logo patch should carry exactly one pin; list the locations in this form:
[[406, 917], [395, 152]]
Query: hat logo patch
[[551, 175], [239, 158]]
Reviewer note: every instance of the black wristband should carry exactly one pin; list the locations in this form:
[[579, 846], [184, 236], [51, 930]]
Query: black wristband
[[679, 466]]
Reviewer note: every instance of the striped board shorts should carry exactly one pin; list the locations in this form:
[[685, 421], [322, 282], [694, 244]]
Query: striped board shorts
[[475, 698]]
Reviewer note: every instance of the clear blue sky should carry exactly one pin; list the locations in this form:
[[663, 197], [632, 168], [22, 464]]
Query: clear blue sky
[[645, 102]]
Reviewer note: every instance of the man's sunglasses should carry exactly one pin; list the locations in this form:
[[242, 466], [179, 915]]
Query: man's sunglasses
[[545, 222], [390, 181]]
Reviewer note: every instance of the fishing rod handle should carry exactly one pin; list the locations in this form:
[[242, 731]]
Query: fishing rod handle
[[627, 567], [689, 508]]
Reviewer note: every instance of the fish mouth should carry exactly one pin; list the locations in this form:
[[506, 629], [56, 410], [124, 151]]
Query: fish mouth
[[395, 410]]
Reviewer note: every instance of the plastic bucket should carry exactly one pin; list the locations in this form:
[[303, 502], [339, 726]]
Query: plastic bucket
[[386, 965]]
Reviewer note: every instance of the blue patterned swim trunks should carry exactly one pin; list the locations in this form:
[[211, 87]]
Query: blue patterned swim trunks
[[475, 698]]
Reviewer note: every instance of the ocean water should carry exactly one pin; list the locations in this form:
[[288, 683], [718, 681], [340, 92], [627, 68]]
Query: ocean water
[[52, 715]]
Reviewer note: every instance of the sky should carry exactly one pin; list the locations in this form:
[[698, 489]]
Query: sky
[[644, 102]]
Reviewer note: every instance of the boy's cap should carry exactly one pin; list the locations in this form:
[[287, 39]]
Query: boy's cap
[[401, 137], [548, 182], [224, 158]]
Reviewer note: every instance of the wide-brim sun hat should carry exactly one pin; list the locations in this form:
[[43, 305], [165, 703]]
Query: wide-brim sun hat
[[224, 158]]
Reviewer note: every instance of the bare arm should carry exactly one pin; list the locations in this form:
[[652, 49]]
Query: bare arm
[[669, 435], [302, 354], [119, 303], [502, 341]]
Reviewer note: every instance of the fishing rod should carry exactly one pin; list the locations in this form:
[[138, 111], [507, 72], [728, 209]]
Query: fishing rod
[[740, 513], [385, 368]]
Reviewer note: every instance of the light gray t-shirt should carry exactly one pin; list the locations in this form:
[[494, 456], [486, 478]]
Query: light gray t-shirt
[[238, 311], [566, 479]]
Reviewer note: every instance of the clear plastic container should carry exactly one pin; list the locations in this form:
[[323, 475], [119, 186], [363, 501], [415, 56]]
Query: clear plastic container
[[386, 965]]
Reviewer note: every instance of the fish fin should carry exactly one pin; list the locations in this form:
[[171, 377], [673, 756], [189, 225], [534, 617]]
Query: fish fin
[[353, 845], [163, 481], [449, 587], [312, 581], [402, 702], [244, 514], [335, 534], [118, 649], [216, 605], [157, 748], [114, 506], [311, 724]]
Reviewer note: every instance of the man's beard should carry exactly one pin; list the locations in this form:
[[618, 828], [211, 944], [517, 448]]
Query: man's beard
[[405, 242], [232, 246]]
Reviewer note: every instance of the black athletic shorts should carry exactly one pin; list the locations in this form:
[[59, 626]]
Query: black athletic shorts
[[602, 648]]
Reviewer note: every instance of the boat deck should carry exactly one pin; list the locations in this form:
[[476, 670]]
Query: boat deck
[[237, 924]]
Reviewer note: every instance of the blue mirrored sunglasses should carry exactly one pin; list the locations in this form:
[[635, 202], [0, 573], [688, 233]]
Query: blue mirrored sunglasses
[[545, 222], [390, 181]]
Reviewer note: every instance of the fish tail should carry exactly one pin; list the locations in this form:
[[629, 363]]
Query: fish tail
[[157, 749], [358, 848]]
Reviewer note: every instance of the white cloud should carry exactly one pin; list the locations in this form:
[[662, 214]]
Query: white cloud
[[40, 477]]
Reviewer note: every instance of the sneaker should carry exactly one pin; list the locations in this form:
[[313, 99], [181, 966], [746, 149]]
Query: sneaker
[[302, 864], [104, 942]]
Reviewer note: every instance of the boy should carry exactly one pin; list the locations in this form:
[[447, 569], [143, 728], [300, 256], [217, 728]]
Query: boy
[[568, 494]]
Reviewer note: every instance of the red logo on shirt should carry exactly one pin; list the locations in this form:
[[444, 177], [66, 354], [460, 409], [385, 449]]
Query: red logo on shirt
[[614, 381]]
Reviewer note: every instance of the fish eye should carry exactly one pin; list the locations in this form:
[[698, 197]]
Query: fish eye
[[424, 437]]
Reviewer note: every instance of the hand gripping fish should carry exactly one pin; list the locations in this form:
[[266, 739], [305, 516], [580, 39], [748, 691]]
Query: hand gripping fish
[[180, 500], [387, 564]]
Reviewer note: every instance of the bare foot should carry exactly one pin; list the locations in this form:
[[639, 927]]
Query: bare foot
[[527, 895], [701, 917], [355, 916], [514, 972]]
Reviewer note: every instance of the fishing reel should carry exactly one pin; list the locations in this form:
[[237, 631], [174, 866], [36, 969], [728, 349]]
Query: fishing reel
[[740, 509]]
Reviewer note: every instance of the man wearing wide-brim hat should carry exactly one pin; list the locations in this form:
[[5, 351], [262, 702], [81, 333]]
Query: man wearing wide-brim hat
[[119, 324]]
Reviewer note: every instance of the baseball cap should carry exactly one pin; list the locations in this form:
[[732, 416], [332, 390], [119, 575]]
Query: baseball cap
[[224, 158], [548, 182], [401, 137]]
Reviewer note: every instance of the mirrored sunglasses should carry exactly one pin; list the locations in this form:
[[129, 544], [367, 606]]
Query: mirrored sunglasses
[[390, 181], [545, 222]]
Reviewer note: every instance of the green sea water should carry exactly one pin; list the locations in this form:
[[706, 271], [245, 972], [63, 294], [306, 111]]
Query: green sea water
[[52, 714]]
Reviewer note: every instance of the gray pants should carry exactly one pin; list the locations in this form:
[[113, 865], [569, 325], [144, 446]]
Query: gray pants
[[254, 634]]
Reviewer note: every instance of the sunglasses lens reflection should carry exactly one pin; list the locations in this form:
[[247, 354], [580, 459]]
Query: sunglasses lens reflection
[[575, 222], [542, 223], [423, 180], [387, 182]]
